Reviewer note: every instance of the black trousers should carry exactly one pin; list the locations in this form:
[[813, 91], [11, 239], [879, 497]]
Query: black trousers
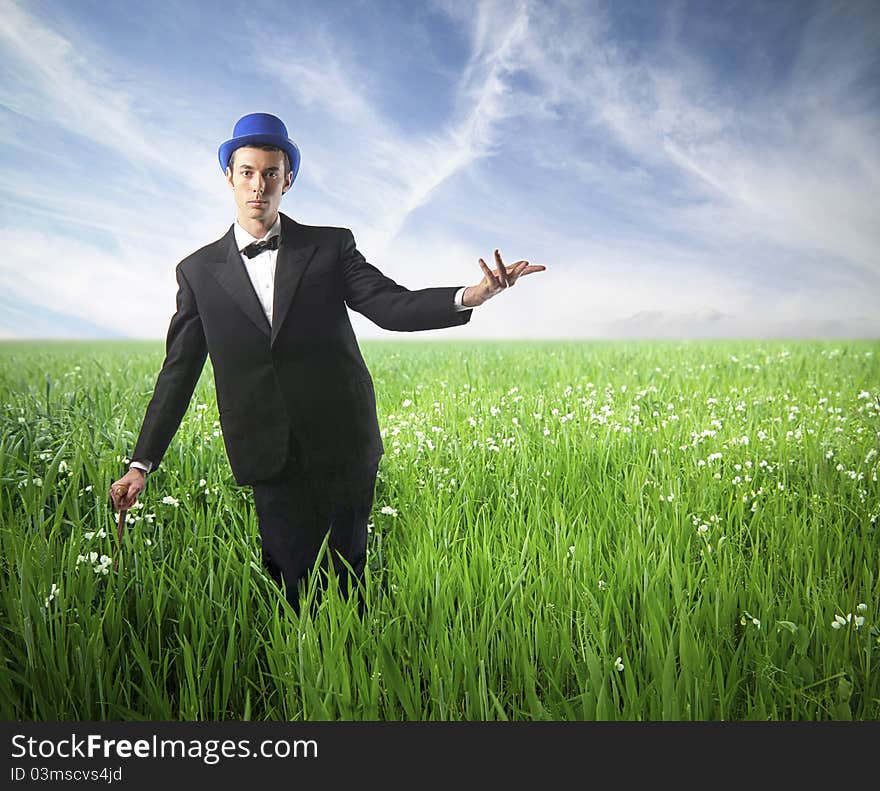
[[296, 510]]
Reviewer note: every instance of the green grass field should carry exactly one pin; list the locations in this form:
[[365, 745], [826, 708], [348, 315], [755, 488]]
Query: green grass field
[[613, 531]]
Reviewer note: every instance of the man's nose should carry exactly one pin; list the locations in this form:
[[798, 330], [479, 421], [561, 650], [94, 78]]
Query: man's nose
[[259, 184]]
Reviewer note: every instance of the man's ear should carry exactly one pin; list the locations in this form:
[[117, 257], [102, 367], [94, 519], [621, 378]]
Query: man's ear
[[289, 182], [229, 176]]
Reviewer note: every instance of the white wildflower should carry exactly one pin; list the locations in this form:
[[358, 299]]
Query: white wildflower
[[52, 594]]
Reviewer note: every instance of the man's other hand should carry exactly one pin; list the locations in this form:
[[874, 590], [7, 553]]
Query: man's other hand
[[124, 492], [495, 281]]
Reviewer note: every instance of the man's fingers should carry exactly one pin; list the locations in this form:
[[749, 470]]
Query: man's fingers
[[117, 493], [515, 271], [489, 273], [506, 276], [501, 270], [528, 270], [124, 495]]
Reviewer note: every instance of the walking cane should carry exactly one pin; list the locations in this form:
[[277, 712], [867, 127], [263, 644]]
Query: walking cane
[[120, 527]]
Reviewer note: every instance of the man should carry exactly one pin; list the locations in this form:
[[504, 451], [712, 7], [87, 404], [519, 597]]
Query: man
[[267, 302]]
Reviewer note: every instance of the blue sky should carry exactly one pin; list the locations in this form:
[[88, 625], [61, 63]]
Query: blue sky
[[682, 169]]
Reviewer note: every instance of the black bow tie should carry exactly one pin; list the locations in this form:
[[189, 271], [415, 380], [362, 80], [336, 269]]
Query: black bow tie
[[258, 247]]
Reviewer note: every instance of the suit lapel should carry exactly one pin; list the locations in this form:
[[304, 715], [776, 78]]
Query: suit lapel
[[294, 257], [232, 275]]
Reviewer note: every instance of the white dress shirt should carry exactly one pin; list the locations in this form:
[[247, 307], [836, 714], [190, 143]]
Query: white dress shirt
[[260, 268], [261, 271]]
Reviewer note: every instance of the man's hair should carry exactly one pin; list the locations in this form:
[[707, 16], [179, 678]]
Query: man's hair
[[262, 148]]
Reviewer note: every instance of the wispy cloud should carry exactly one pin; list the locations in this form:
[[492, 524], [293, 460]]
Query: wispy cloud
[[112, 290], [98, 241], [389, 173], [52, 82], [794, 162]]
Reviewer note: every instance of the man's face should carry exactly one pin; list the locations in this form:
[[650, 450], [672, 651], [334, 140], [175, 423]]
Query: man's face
[[258, 182]]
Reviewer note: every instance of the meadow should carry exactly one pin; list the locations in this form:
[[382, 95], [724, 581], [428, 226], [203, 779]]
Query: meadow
[[561, 530]]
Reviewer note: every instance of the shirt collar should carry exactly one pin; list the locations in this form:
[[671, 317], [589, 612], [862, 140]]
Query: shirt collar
[[243, 238]]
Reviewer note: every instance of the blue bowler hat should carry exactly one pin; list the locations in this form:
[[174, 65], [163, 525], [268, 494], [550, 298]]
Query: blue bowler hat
[[260, 129]]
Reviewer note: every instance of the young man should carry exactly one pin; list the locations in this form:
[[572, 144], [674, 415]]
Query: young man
[[268, 302]]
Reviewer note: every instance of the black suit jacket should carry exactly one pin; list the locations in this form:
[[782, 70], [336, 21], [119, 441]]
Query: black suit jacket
[[304, 376]]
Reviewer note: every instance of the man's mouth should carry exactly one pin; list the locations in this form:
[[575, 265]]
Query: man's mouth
[[256, 202]]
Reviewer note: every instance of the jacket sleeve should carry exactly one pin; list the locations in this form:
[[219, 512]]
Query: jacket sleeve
[[392, 306], [185, 354]]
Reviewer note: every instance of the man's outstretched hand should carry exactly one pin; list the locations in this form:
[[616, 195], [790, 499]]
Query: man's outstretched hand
[[495, 281]]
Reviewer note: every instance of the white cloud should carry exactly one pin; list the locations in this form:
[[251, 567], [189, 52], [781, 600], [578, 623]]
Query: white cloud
[[126, 292], [649, 188], [797, 167], [56, 84]]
